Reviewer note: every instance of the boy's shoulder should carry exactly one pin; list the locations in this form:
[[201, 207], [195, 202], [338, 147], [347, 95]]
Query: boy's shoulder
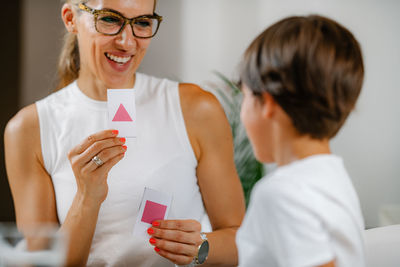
[[316, 170], [305, 182], [318, 187], [306, 204]]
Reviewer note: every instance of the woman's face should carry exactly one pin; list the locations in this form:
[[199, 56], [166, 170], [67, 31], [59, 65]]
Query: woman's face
[[257, 124], [111, 60]]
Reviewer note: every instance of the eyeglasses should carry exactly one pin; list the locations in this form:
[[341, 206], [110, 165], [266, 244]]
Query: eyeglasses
[[112, 23]]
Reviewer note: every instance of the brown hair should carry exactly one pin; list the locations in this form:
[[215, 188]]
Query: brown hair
[[69, 60], [313, 68]]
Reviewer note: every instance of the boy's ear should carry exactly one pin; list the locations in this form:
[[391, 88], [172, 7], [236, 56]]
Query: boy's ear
[[68, 17], [269, 105]]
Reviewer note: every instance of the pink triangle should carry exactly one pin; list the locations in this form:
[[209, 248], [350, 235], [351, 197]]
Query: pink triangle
[[122, 114]]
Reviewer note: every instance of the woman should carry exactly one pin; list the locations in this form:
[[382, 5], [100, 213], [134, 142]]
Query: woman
[[184, 148]]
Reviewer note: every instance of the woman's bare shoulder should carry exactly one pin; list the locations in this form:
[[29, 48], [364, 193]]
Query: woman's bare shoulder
[[24, 121], [23, 128], [205, 119], [200, 103]]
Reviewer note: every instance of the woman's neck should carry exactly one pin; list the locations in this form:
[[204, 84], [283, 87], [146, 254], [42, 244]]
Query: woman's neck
[[93, 88], [97, 89]]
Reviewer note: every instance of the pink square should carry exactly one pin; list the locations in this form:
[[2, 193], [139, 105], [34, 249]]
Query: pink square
[[153, 211]]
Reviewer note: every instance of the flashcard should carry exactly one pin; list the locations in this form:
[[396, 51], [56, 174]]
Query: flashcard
[[122, 111], [154, 206]]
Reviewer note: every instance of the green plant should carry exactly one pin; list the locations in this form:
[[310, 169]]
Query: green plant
[[248, 168]]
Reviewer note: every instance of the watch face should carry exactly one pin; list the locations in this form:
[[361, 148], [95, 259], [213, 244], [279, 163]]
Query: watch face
[[203, 252]]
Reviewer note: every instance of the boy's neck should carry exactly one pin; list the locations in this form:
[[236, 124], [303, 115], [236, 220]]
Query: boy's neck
[[299, 147]]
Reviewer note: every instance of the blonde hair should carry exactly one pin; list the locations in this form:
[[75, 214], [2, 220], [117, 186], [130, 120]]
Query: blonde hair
[[69, 60]]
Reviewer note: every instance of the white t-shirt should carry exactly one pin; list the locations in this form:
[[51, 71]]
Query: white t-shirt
[[306, 213]]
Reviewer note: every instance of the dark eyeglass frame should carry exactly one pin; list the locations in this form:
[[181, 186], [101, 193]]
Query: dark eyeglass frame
[[97, 12]]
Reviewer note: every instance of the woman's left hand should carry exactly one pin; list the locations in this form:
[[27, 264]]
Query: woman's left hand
[[176, 240]]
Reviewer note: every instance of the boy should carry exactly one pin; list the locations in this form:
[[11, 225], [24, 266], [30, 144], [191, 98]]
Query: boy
[[301, 78]]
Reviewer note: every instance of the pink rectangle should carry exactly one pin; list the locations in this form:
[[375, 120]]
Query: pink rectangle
[[153, 211]]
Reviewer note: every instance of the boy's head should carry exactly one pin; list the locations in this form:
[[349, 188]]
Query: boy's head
[[313, 69]]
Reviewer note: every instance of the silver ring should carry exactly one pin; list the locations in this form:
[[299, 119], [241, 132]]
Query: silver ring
[[97, 161]]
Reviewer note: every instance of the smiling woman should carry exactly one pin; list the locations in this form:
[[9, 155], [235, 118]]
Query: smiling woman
[[82, 175], [69, 62]]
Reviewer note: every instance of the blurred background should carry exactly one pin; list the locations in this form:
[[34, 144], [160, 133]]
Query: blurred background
[[199, 37]]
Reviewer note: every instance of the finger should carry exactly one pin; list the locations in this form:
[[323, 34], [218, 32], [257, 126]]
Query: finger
[[192, 238], [106, 167], [175, 258], [96, 148], [174, 247], [183, 225], [105, 155], [79, 161], [93, 138]]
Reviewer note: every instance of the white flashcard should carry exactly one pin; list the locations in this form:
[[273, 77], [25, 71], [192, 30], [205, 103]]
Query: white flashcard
[[122, 111], [154, 206]]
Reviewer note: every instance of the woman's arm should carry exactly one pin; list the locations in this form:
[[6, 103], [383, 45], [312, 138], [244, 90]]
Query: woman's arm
[[217, 177], [32, 188], [211, 139]]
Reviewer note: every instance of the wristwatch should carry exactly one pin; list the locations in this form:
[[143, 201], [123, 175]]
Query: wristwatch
[[202, 253]]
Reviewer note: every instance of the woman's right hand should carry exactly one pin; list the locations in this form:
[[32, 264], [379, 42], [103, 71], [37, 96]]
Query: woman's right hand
[[91, 179]]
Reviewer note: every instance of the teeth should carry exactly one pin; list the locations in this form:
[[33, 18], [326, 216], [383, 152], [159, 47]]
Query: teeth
[[120, 60]]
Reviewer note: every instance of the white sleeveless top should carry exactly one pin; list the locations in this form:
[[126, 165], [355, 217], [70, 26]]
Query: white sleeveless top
[[161, 158]]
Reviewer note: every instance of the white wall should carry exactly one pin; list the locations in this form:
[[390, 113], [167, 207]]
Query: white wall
[[198, 37]]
